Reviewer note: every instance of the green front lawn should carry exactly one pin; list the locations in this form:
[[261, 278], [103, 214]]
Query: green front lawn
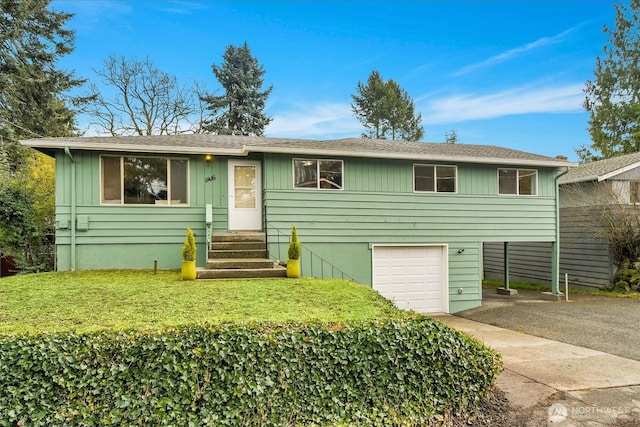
[[87, 301]]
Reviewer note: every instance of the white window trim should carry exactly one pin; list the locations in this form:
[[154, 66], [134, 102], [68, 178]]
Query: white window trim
[[317, 188], [169, 184], [435, 177], [517, 182]]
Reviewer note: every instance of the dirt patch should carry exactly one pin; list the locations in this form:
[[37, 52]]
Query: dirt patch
[[496, 411]]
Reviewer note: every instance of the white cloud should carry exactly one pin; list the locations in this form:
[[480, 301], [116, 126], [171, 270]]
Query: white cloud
[[522, 100], [181, 7], [327, 120], [504, 56]]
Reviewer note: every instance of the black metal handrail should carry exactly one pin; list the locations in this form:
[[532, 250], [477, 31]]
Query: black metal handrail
[[315, 261]]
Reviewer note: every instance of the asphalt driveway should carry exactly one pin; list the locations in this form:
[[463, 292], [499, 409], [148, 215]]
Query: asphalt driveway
[[607, 324]]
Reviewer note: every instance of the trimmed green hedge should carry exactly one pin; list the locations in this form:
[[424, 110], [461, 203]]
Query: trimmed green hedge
[[402, 372]]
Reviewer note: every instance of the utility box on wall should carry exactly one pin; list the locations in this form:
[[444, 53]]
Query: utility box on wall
[[62, 223], [82, 223]]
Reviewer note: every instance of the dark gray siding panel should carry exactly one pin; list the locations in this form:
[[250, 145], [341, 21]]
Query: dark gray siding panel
[[583, 256]]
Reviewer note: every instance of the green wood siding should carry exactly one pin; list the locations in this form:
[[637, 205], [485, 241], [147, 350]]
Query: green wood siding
[[378, 206], [130, 236]]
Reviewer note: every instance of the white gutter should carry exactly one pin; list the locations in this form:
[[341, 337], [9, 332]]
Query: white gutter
[[555, 256], [138, 148]]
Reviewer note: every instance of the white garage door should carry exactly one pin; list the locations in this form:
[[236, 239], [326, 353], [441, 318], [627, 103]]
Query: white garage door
[[413, 277]]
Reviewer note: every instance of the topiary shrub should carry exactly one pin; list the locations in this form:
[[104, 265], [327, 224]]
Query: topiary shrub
[[189, 247], [295, 248]]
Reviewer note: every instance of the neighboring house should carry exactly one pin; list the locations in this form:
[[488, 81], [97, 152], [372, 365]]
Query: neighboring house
[[584, 257], [407, 218]]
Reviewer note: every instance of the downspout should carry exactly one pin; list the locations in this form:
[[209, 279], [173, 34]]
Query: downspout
[[73, 209], [555, 252]]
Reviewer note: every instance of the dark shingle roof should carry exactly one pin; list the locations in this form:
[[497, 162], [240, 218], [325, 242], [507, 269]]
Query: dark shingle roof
[[601, 169], [354, 147]]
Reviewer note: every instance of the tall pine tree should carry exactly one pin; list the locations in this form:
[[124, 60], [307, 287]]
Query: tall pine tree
[[32, 102], [32, 88], [369, 105], [386, 110], [613, 97], [240, 110]]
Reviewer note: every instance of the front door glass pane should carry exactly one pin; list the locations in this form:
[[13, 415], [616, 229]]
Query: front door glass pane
[[245, 187]]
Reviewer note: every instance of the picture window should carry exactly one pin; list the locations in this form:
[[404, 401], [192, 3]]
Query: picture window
[[133, 180]]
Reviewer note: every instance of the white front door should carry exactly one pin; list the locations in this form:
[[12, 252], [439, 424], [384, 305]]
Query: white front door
[[245, 195]]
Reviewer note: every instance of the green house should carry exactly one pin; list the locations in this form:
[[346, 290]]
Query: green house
[[407, 218]]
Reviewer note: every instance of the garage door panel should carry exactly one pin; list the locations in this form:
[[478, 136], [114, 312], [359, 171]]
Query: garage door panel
[[413, 277]]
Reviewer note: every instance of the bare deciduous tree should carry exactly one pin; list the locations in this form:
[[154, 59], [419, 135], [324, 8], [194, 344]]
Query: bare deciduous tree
[[144, 101], [614, 213]]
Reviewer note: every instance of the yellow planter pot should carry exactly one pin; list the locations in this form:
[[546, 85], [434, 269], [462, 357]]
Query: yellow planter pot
[[188, 270], [293, 268]]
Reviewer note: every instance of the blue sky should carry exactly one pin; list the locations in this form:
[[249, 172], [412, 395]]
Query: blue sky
[[507, 73]]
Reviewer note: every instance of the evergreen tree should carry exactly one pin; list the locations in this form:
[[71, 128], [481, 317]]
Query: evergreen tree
[[451, 137], [240, 110], [369, 106], [401, 119], [32, 103], [386, 110], [613, 97], [32, 89]]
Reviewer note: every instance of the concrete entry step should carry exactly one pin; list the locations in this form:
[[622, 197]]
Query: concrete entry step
[[239, 263], [246, 273], [242, 245], [239, 255], [239, 237], [248, 253]]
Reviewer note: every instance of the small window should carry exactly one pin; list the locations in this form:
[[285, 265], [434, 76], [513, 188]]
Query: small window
[[318, 174], [634, 190], [521, 182], [144, 181], [434, 178]]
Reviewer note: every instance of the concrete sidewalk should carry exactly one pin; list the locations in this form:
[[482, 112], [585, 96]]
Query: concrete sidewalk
[[599, 388]]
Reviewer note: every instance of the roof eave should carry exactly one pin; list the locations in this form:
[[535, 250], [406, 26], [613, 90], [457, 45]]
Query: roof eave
[[43, 145], [135, 148], [580, 179], [424, 157], [618, 171]]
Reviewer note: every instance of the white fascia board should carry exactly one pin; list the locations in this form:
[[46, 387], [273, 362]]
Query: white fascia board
[[442, 158], [618, 171], [134, 148]]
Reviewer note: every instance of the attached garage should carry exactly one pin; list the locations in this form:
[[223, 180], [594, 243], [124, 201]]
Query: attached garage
[[412, 277]]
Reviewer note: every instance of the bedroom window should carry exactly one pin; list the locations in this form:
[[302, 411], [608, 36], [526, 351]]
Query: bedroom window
[[129, 180], [317, 174], [434, 178], [521, 182]]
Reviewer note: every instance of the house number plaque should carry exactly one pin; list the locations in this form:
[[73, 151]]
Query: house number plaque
[[210, 178]]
